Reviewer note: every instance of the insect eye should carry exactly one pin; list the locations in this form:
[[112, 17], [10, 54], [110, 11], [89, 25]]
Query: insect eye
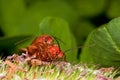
[[45, 40], [56, 52]]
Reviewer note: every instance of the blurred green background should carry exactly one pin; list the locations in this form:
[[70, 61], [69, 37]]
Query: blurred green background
[[19, 19]]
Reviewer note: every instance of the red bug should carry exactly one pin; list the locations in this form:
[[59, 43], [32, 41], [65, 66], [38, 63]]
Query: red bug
[[44, 39], [54, 52], [44, 49]]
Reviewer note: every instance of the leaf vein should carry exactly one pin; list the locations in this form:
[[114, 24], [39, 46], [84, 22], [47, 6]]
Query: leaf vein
[[112, 40]]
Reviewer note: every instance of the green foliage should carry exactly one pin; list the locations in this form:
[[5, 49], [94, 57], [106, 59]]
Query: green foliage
[[86, 56], [84, 27], [11, 14], [17, 19], [10, 42], [106, 49], [113, 9], [88, 8]]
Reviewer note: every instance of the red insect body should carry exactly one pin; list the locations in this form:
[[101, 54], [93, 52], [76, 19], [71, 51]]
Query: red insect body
[[44, 48], [54, 52], [44, 39]]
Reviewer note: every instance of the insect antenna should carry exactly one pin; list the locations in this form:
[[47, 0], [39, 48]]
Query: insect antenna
[[77, 48], [58, 41], [21, 41]]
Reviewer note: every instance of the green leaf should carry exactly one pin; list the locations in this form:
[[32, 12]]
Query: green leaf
[[11, 14], [82, 30], [106, 40], [39, 9], [59, 28], [10, 42], [89, 8], [21, 19], [53, 8], [113, 9], [86, 56]]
